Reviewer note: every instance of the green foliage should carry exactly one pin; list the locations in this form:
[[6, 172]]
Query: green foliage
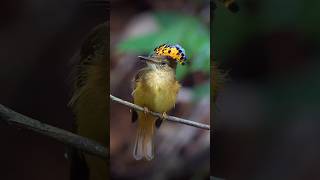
[[175, 28]]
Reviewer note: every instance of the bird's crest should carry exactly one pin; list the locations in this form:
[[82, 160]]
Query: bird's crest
[[176, 52]]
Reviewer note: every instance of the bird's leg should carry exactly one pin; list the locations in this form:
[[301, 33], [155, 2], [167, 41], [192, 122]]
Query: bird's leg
[[164, 116], [160, 120]]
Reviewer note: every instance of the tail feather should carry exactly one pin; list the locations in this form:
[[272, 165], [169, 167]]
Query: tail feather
[[143, 147]]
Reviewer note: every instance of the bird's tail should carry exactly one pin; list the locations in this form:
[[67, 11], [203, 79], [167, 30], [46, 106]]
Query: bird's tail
[[143, 147]]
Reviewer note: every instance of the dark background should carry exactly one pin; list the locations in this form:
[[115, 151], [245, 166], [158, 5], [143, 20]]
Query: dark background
[[267, 122], [37, 41]]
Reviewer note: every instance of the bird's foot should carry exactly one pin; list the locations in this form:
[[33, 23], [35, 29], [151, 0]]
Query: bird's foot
[[145, 110]]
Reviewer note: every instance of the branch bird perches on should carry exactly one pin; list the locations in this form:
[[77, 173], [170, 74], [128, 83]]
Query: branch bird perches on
[[169, 118]]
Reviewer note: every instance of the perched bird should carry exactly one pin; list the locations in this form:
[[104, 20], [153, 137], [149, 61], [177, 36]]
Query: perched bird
[[231, 5], [155, 89], [89, 104]]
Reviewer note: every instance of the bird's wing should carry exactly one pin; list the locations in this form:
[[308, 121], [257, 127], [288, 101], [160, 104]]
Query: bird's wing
[[138, 77]]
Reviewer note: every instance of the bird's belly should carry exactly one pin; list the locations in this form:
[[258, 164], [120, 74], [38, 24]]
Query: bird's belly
[[164, 100], [158, 98]]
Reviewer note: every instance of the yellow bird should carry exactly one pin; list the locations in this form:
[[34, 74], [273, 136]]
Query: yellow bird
[[155, 89], [89, 104]]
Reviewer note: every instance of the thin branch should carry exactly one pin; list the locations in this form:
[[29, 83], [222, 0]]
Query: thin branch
[[84, 144], [170, 118]]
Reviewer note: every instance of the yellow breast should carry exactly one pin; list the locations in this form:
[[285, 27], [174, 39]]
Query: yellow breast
[[157, 91]]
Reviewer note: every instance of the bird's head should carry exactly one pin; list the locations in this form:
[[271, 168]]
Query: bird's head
[[166, 57]]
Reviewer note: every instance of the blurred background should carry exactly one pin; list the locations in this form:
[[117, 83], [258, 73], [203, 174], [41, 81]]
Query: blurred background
[[37, 41], [137, 27], [267, 122]]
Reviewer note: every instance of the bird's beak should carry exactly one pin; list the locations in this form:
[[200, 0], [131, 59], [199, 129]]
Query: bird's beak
[[148, 59]]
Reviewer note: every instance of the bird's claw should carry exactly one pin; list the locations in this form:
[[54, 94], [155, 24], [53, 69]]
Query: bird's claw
[[145, 110], [164, 116]]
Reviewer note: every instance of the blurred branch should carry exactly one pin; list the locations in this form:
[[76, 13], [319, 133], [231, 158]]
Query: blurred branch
[[84, 144], [169, 118]]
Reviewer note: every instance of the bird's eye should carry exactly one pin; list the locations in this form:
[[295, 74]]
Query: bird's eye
[[163, 63]]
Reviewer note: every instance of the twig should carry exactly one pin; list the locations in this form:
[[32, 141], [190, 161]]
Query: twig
[[170, 118], [84, 144]]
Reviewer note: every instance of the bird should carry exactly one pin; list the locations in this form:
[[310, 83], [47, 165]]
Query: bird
[[89, 105], [155, 88]]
